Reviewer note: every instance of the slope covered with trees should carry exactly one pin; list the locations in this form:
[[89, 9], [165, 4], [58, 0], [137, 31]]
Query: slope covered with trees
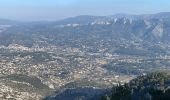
[[154, 86]]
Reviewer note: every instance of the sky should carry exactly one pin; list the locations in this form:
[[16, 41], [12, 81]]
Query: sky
[[35, 10]]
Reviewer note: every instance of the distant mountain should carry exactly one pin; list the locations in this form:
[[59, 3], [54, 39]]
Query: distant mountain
[[7, 22], [121, 29], [85, 19], [162, 15], [151, 27]]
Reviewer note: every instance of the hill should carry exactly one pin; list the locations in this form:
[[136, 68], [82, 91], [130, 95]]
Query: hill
[[154, 86]]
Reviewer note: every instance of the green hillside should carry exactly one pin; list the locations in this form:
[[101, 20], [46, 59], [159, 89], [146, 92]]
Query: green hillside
[[154, 86]]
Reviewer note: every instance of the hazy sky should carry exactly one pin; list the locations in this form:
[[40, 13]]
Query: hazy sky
[[59, 9]]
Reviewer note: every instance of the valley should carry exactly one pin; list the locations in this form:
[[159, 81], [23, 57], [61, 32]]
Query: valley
[[41, 59]]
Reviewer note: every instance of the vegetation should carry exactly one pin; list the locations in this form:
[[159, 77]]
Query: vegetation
[[34, 81], [154, 86], [18, 83]]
